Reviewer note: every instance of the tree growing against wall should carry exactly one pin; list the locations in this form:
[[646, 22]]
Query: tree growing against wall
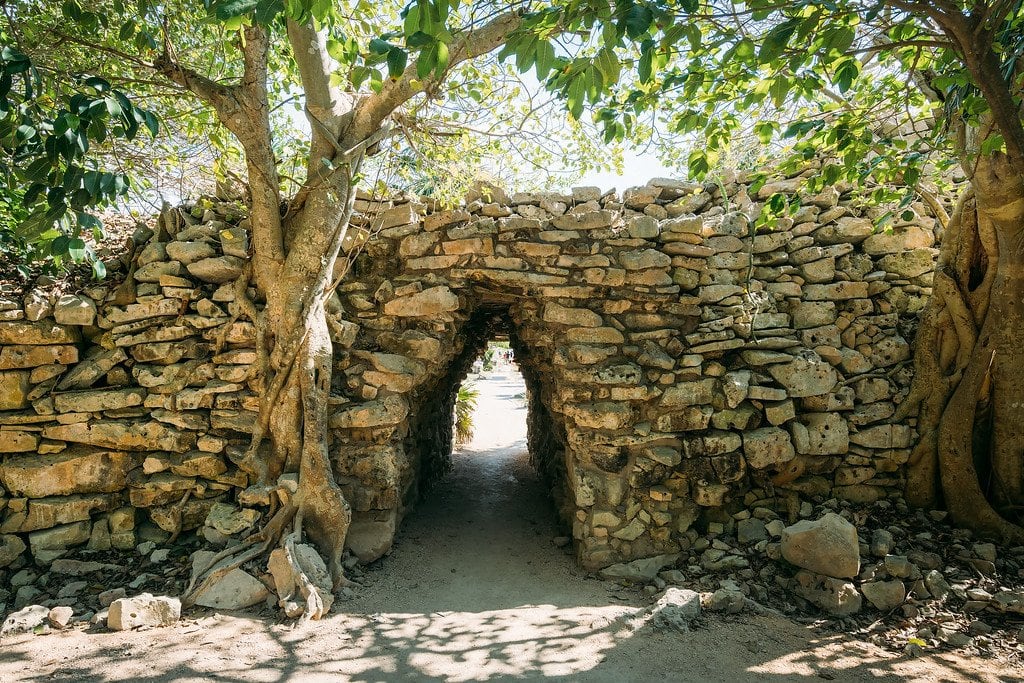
[[352, 66], [886, 91]]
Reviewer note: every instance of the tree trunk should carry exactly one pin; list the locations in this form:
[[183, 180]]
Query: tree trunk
[[969, 381]]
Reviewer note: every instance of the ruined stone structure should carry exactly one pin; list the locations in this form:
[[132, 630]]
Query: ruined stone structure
[[680, 368]]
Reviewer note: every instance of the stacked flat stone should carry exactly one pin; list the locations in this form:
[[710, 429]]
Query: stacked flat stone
[[679, 366]]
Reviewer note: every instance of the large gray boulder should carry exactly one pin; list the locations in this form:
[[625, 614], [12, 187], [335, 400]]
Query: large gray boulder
[[826, 546]]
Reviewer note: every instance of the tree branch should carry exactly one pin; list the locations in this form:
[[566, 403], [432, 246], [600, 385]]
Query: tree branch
[[371, 111]]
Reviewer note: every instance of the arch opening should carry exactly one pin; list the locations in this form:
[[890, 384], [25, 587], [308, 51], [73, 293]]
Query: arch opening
[[515, 390]]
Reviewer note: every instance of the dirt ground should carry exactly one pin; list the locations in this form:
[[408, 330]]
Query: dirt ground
[[475, 589]]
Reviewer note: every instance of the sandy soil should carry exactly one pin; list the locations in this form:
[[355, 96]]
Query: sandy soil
[[475, 590]]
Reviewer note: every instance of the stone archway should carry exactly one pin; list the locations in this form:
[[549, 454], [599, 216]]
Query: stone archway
[[680, 366]]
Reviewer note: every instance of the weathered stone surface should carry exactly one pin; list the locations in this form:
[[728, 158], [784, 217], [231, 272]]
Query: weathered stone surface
[[835, 596], [885, 595], [826, 546], [17, 441], [767, 447], [28, 356], [14, 388], [806, 375], [72, 309], [237, 589], [218, 269], [76, 470], [133, 436], [49, 544], [387, 411], [25, 620], [99, 400], [371, 538], [641, 570], [144, 609], [43, 513], [41, 332], [11, 548], [429, 302], [676, 609], [821, 434]]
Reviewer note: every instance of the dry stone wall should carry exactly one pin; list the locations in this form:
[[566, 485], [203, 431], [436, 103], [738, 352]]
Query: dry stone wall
[[681, 369]]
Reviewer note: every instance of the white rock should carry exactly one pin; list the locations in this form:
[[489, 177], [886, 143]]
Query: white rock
[[144, 609], [827, 546], [24, 620]]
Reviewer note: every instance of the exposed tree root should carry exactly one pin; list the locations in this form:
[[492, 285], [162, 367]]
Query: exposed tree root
[[969, 378]]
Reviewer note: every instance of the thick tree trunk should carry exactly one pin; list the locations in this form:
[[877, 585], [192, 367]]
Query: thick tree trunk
[[970, 362]]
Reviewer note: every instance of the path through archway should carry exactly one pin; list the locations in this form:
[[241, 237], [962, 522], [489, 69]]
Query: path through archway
[[486, 534]]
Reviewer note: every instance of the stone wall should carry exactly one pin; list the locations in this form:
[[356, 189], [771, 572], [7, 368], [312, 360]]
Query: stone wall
[[680, 369]]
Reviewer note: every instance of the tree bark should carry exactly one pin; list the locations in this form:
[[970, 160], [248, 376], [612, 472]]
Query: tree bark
[[970, 385]]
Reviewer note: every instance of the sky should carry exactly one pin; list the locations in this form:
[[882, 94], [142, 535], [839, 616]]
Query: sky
[[637, 169]]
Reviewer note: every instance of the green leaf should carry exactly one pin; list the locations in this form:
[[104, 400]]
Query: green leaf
[[76, 248], [777, 39], [231, 9], [644, 67], [59, 245], [637, 21], [397, 61]]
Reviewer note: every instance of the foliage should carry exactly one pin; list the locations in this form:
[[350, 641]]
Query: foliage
[[52, 186], [873, 89], [488, 358], [465, 405]]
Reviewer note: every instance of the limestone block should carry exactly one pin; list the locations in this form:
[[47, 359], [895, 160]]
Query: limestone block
[[601, 415], [234, 241], [883, 436], [390, 410], [73, 309], [370, 537], [833, 595], [132, 436], [847, 230], [576, 317], [18, 356], [143, 610], [767, 447], [43, 513], [76, 470], [11, 548], [142, 311], [97, 363], [642, 259], [806, 375], [98, 400], [14, 389], [909, 264], [821, 434], [589, 220], [37, 304], [190, 252], [218, 269], [49, 544], [17, 441], [828, 546], [41, 332], [689, 394], [430, 302]]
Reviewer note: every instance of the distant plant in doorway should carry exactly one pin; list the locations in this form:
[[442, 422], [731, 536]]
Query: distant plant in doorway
[[465, 404]]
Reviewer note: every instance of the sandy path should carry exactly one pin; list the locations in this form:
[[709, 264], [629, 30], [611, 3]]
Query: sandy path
[[476, 590]]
